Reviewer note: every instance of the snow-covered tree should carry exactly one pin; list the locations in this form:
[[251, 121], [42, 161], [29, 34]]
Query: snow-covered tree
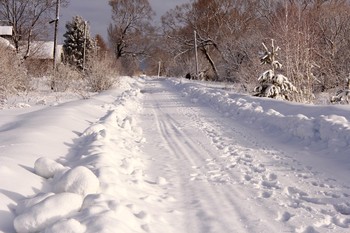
[[273, 85], [78, 44], [342, 96]]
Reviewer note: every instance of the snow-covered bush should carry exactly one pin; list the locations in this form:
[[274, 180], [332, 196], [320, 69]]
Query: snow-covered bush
[[65, 78], [13, 75], [101, 75], [273, 85], [342, 96]]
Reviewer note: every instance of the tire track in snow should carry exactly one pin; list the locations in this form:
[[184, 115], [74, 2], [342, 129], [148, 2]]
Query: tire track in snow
[[205, 205], [222, 168], [318, 207]]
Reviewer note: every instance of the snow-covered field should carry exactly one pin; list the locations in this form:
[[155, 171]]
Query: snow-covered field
[[163, 155]]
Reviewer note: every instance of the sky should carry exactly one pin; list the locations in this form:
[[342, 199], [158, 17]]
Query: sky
[[97, 13]]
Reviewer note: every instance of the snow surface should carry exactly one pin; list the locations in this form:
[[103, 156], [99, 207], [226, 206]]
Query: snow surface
[[172, 155]]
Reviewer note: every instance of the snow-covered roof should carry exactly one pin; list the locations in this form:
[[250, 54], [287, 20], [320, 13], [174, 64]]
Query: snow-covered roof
[[6, 43], [5, 30], [44, 50]]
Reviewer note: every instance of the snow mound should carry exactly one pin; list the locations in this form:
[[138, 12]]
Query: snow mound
[[94, 130], [47, 212], [332, 131], [66, 226], [102, 180], [46, 167], [29, 202], [79, 180]]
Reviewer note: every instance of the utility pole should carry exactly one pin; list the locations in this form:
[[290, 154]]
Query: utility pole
[[195, 51], [58, 3], [84, 51], [55, 37], [159, 64]]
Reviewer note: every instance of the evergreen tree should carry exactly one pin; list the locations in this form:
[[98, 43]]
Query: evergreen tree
[[78, 44], [273, 85]]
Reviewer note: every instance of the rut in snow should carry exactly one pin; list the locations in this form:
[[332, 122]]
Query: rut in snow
[[229, 177]]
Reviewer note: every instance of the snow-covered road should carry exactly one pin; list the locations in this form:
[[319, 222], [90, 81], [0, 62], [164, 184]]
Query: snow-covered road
[[198, 152], [162, 155], [227, 177]]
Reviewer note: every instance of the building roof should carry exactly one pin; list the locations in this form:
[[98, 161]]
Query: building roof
[[5, 30], [6, 43], [44, 50]]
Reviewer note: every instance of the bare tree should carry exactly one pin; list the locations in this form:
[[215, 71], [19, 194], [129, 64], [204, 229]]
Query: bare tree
[[313, 36], [131, 25], [333, 31], [29, 19], [102, 49], [219, 25]]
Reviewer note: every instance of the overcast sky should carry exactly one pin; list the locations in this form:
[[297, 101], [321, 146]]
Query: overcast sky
[[98, 13]]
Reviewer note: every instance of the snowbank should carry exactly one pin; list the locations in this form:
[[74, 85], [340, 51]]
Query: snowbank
[[79, 180], [325, 127], [46, 167], [48, 211], [86, 189]]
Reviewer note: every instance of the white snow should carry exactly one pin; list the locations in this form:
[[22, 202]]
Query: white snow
[[46, 167], [79, 180], [48, 211], [172, 155]]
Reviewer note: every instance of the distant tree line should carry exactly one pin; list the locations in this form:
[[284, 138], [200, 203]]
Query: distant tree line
[[314, 37]]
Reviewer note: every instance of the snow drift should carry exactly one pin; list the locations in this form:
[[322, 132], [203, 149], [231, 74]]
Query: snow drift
[[318, 126]]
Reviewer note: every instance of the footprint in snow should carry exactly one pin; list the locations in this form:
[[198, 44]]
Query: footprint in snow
[[284, 217], [270, 177], [266, 194], [247, 158], [341, 221], [308, 229], [259, 168], [343, 208], [294, 192], [247, 177]]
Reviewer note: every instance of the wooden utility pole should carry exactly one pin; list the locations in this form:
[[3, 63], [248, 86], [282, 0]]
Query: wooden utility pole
[[84, 51], [159, 64], [55, 37], [195, 51]]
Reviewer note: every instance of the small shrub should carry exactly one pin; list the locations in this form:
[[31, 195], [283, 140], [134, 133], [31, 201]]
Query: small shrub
[[342, 96], [101, 75], [13, 75], [65, 78]]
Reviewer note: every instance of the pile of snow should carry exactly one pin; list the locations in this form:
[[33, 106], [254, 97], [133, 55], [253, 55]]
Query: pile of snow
[[319, 126], [46, 167], [47, 212], [86, 188]]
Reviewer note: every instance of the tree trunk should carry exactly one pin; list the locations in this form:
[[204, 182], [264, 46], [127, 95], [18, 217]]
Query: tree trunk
[[211, 62]]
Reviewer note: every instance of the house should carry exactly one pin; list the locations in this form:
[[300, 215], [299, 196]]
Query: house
[[43, 50], [6, 32], [39, 59], [41, 56], [5, 36]]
